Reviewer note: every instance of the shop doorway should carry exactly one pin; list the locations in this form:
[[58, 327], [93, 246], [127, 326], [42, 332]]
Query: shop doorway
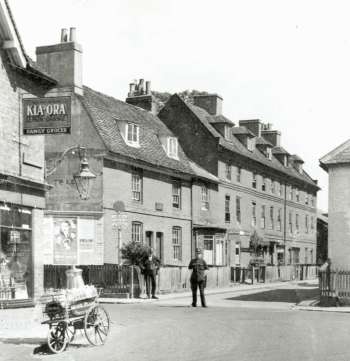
[[149, 239]]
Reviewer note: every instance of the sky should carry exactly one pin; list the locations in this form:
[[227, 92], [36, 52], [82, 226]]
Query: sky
[[284, 62]]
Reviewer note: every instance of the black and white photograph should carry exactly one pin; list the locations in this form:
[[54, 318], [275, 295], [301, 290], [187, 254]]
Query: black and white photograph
[[174, 180]]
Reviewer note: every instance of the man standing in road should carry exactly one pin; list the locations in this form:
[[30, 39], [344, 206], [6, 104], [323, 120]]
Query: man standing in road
[[150, 269], [198, 277]]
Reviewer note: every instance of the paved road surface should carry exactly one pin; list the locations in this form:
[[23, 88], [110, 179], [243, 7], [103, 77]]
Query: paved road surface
[[252, 326]]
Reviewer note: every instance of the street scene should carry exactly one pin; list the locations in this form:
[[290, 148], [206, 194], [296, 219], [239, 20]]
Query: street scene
[[174, 180], [247, 324]]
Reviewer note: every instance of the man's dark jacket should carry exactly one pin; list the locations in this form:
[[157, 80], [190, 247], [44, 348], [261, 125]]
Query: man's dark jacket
[[150, 267], [198, 267]]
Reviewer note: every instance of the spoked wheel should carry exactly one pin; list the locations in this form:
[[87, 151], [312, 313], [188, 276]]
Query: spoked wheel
[[96, 325], [70, 332], [57, 337]]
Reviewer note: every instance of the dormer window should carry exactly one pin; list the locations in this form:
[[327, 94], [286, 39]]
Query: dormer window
[[269, 153], [132, 132], [250, 144], [172, 148], [228, 132]]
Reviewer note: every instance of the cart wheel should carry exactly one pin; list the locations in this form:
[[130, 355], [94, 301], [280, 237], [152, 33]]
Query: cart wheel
[[57, 338], [70, 332], [96, 325]]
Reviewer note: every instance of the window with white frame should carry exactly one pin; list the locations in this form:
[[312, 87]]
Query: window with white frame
[[227, 209], [253, 214], [136, 186], [297, 222], [306, 224], [297, 195], [254, 180], [272, 218], [228, 132], [272, 186], [312, 223], [176, 195], [136, 232], [239, 174], [205, 197], [290, 221], [173, 148], [279, 219], [132, 134], [177, 243], [250, 144], [269, 153], [262, 218], [228, 171], [263, 184], [306, 199], [208, 249], [238, 209]]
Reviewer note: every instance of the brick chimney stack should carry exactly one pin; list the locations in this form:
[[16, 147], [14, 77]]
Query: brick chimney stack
[[272, 136], [212, 103], [63, 61], [140, 95]]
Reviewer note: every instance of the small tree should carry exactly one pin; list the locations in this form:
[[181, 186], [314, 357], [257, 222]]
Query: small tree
[[134, 253]]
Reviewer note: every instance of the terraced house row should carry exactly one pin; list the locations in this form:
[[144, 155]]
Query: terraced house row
[[175, 178]]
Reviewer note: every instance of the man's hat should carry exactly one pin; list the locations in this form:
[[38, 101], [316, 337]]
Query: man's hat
[[198, 251]]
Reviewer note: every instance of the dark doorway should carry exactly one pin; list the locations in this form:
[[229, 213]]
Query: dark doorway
[[159, 246]]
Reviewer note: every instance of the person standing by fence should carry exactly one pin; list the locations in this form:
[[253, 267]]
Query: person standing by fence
[[198, 277], [150, 268]]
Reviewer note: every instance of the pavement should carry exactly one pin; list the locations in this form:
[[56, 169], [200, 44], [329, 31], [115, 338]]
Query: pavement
[[25, 326]]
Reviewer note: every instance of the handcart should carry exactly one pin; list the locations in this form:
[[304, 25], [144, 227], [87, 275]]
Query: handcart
[[75, 309]]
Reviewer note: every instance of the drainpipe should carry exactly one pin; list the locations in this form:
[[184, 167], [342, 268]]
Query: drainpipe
[[285, 224]]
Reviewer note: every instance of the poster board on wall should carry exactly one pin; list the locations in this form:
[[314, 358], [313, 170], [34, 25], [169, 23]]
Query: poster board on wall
[[65, 245]]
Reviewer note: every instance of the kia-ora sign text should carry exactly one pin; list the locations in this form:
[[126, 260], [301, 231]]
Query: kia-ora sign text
[[46, 115]]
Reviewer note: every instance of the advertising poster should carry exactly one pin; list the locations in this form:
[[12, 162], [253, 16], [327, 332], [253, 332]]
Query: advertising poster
[[65, 248]]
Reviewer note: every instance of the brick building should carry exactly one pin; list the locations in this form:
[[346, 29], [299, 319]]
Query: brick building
[[144, 186], [22, 184], [337, 164], [264, 195]]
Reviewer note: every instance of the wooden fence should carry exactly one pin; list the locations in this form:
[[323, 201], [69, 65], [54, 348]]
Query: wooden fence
[[266, 274], [334, 283]]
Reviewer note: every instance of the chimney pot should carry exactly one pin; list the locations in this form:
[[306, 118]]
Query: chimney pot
[[148, 87], [64, 35], [72, 34], [131, 89], [141, 86]]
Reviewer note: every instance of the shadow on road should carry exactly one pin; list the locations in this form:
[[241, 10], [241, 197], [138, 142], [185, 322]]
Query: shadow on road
[[280, 295]]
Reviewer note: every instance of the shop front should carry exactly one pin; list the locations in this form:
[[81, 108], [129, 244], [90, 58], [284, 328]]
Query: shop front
[[17, 271]]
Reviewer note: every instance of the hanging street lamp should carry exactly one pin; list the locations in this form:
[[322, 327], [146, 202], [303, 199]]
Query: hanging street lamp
[[85, 178]]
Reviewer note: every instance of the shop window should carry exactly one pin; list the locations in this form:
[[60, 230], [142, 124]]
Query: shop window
[[213, 249], [16, 268], [136, 232], [208, 249], [237, 254]]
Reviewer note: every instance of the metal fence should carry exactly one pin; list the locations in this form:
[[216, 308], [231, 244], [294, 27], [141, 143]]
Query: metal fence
[[110, 277], [266, 274]]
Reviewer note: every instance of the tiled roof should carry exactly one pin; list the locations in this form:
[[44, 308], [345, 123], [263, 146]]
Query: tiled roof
[[296, 158], [279, 150], [202, 173], [339, 155], [262, 141], [221, 119], [105, 111], [237, 147], [242, 130]]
